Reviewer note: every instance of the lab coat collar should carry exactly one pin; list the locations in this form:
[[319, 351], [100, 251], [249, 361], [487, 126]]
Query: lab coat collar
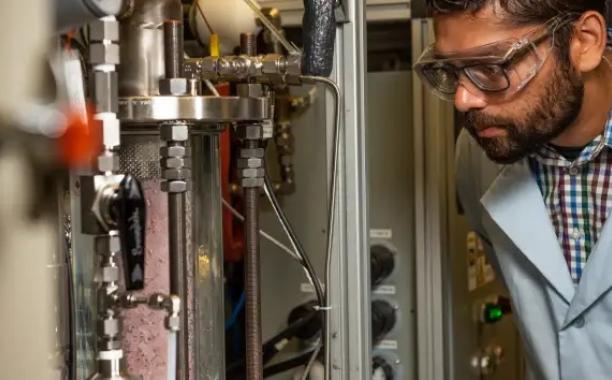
[[515, 204], [596, 279]]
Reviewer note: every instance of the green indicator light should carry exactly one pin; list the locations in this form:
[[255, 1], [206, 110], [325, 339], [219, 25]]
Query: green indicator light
[[493, 313]]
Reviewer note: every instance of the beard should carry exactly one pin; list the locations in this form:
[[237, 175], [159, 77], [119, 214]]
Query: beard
[[554, 111]]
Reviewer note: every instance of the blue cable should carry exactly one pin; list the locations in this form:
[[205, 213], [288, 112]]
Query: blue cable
[[236, 312]]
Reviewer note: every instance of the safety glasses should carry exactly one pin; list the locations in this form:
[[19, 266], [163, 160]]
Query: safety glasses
[[497, 70]]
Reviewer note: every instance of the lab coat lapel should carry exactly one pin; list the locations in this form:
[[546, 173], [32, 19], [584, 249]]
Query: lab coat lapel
[[515, 203], [596, 278]]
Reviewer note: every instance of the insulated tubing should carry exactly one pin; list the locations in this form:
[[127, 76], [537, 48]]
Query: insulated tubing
[[319, 26]]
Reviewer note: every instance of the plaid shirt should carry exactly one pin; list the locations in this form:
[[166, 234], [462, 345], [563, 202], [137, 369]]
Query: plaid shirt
[[577, 195]]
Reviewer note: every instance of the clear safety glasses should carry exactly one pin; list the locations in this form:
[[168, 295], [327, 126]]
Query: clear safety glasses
[[497, 70]]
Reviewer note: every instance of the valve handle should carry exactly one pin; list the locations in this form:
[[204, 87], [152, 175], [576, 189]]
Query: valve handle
[[130, 211]]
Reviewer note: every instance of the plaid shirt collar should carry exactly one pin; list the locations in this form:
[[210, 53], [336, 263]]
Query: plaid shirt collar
[[549, 156]]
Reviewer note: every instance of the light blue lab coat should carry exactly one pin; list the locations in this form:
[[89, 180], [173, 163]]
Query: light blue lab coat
[[566, 329]]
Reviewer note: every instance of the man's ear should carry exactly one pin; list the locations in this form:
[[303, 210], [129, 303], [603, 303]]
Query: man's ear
[[588, 42]]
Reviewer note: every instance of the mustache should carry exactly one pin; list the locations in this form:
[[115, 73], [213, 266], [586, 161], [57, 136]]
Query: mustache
[[476, 120]]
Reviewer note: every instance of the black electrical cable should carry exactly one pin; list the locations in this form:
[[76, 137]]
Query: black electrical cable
[[281, 367], [270, 348]]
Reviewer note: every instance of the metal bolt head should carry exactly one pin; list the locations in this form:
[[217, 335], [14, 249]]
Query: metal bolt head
[[175, 163], [252, 182], [174, 132], [174, 186], [104, 30], [104, 54], [251, 173], [252, 153], [244, 163], [173, 86], [176, 174], [108, 162], [174, 151], [250, 132]]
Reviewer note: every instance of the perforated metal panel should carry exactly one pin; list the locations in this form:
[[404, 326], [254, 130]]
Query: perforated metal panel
[[139, 156]]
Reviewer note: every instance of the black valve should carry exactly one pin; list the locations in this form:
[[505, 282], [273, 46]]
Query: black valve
[[129, 211], [383, 319]]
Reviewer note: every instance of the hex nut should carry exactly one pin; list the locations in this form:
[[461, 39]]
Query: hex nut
[[110, 274], [175, 163], [106, 91], [174, 186], [111, 130], [252, 153], [173, 323], [100, 54], [104, 30], [251, 182], [174, 132], [294, 65], [244, 163], [107, 243], [173, 86], [109, 327], [176, 174], [108, 162], [270, 64], [175, 151], [249, 90], [250, 132], [251, 173]]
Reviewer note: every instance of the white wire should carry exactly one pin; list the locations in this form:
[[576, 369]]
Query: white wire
[[211, 87], [264, 234], [311, 362]]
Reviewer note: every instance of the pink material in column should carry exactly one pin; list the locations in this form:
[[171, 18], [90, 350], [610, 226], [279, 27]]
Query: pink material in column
[[145, 337]]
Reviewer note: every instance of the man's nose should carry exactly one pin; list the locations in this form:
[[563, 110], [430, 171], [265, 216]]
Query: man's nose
[[465, 100]]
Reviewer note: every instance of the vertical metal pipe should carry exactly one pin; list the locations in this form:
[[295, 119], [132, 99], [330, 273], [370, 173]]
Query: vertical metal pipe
[[177, 247], [173, 48], [254, 363]]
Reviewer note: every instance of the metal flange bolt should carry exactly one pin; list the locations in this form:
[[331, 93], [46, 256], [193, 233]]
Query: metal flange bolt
[[175, 158]]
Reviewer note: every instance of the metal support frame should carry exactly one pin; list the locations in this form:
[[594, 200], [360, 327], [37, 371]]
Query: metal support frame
[[431, 230], [349, 286]]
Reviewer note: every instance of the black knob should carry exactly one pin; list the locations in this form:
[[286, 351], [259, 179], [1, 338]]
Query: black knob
[[383, 319], [382, 262], [381, 369], [129, 210]]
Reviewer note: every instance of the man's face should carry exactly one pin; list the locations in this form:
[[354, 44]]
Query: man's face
[[509, 128]]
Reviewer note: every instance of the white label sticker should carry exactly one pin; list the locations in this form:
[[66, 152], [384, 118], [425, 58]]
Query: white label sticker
[[387, 345], [385, 290], [381, 234]]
